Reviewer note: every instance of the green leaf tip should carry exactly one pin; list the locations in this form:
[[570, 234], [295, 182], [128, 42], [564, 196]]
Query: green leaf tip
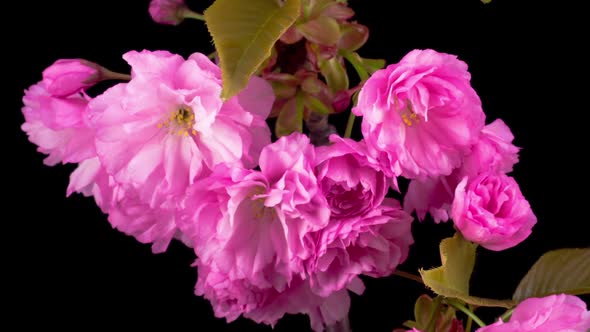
[[244, 33]]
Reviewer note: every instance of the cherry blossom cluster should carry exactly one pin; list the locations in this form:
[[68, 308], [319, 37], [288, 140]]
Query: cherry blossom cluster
[[281, 227], [286, 226]]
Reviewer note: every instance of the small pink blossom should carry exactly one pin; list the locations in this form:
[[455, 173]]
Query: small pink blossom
[[249, 228], [59, 126], [168, 126], [372, 244], [169, 12], [493, 152], [554, 313], [231, 298], [68, 76], [349, 178], [299, 298], [491, 210], [162, 131], [249, 221], [421, 115]]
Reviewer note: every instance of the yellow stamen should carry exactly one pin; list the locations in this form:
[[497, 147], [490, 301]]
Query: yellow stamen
[[180, 122], [409, 117]]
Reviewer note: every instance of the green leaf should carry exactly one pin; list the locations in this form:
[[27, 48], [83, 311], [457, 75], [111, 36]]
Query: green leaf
[[290, 118], [244, 33], [335, 74], [452, 278], [557, 271], [458, 258], [486, 1]]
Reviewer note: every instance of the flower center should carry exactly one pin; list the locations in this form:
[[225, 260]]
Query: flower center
[[180, 122], [409, 117], [258, 208]]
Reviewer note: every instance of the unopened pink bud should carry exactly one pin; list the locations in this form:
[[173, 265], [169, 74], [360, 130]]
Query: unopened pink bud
[[169, 12], [342, 101], [68, 76]]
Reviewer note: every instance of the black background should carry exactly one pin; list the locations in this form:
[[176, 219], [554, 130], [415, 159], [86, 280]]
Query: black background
[[67, 268]]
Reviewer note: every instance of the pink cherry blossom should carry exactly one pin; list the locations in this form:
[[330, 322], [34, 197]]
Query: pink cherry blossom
[[299, 298], [231, 298], [168, 125], [372, 244], [59, 126], [68, 76], [249, 228], [421, 115], [160, 132], [493, 152], [250, 221], [167, 11], [490, 210], [554, 313], [349, 178]]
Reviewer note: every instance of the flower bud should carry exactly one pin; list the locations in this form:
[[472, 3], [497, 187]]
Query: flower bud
[[68, 76], [169, 12]]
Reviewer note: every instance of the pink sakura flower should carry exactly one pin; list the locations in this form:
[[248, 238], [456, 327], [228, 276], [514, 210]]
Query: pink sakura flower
[[490, 210], [249, 221], [249, 228], [158, 133], [168, 125], [231, 298], [372, 244], [421, 115], [299, 298], [365, 234], [59, 126], [493, 152], [349, 178], [554, 313], [169, 12]]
